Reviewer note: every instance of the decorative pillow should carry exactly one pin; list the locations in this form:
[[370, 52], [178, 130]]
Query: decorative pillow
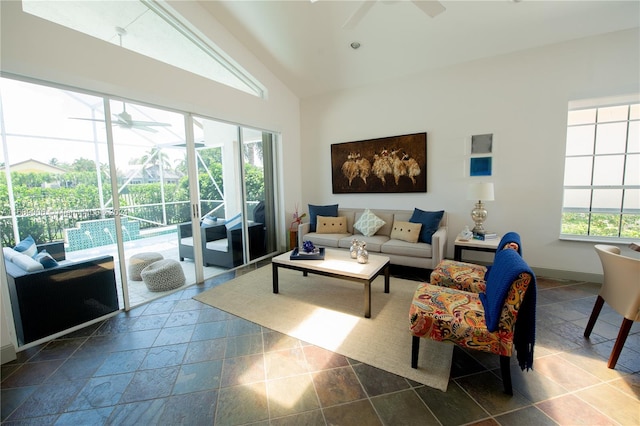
[[46, 260], [406, 231], [209, 220], [9, 253], [27, 246], [368, 224], [430, 222], [27, 263], [314, 211], [234, 223], [331, 225]]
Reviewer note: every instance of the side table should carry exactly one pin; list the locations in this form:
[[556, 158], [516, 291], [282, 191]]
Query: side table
[[474, 245]]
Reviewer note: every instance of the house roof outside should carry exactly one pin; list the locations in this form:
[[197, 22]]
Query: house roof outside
[[35, 166]]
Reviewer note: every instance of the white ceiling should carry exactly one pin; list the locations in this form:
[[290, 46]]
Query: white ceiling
[[304, 44]]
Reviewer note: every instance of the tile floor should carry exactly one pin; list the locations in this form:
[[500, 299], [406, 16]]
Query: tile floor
[[176, 361]]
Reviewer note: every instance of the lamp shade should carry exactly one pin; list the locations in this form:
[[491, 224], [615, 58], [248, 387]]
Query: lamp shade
[[482, 191]]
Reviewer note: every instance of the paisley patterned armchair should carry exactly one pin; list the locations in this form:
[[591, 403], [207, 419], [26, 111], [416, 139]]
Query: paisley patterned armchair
[[469, 276], [494, 321]]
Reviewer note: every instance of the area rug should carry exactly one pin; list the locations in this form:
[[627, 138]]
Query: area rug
[[329, 313]]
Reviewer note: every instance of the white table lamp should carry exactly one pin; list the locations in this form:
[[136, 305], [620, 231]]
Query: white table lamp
[[482, 192]]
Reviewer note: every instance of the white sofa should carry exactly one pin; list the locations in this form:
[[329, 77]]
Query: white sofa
[[419, 255]]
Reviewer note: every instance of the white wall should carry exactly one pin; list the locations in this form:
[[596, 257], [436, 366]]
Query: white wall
[[521, 98], [35, 48]]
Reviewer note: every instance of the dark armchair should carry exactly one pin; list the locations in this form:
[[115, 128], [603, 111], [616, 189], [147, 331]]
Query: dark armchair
[[221, 246]]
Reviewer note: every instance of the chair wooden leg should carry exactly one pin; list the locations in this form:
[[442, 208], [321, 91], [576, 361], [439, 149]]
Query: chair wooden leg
[[505, 372], [415, 348], [622, 337], [594, 316]]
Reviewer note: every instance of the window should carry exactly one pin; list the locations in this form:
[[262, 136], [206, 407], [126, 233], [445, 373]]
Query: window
[[151, 29], [602, 172]]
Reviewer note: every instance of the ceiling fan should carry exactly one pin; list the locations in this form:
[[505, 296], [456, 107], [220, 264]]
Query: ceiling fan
[[125, 121], [430, 7]]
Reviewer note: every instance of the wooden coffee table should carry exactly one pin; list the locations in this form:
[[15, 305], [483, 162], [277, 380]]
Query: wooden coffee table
[[338, 264]]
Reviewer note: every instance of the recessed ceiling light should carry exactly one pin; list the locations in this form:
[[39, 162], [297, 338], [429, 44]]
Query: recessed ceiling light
[[355, 45]]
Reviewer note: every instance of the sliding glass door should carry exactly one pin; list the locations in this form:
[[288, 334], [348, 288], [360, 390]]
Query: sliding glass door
[[93, 176]]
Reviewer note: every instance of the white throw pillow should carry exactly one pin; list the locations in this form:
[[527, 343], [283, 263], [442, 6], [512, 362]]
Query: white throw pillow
[[9, 253], [27, 263], [368, 224]]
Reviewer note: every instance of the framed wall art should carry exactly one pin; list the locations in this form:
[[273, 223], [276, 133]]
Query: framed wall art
[[481, 155], [389, 164]]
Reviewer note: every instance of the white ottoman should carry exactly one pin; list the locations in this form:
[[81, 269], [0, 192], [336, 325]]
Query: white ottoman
[[140, 261], [163, 275]]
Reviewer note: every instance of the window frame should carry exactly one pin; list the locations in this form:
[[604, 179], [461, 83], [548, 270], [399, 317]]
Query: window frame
[[621, 211]]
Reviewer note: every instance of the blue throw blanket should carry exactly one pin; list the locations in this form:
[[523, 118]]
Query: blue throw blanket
[[509, 237], [507, 266]]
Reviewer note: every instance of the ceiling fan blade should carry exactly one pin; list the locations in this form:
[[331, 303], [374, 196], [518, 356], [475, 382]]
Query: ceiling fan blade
[[136, 123], [432, 8], [358, 14], [86, 119]]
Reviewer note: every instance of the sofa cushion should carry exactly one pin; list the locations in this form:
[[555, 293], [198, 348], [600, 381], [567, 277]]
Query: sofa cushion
[[368, 224], [331, 225], [27, 263], [314, 211], [406, 231], [403, 248], [27, 246], [374, 243], [325, 240], [430, 222], [46, 260]]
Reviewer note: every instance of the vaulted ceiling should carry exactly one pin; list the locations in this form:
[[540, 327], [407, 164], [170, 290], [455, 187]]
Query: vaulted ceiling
[[304, 42]]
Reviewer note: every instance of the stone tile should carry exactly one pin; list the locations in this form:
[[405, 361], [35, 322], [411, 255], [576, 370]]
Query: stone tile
[[359, 413], [488, 391], [58, 349], [96, 416], [205, 350], [46, 400], [452, 407], [182, 318], [192, 409], [376, 381], [164, 356], [150, 384], [32, 373], [10, 399], [566, 374], [533, 385], [243, 345], [242, 404], [571, 410], [174, 335], [288, 362], [210, 330], [337, 386], [150, 322], [198, 377], [121, 362], [403, 408], [616, 404], [529, 416], [322, 359], [75, 368], [101, 392], [629, 384], [242, 370], [291, 395], [309, 418], [274, 341], [239, 327]]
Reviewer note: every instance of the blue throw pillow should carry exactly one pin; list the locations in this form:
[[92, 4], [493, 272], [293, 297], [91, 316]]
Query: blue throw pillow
[[27, 246], [46, 259], [430, 222], [234, 223], [315, 211]]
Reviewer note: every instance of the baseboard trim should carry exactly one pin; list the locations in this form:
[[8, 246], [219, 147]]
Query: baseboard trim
[[568, 275], [7, 353]]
